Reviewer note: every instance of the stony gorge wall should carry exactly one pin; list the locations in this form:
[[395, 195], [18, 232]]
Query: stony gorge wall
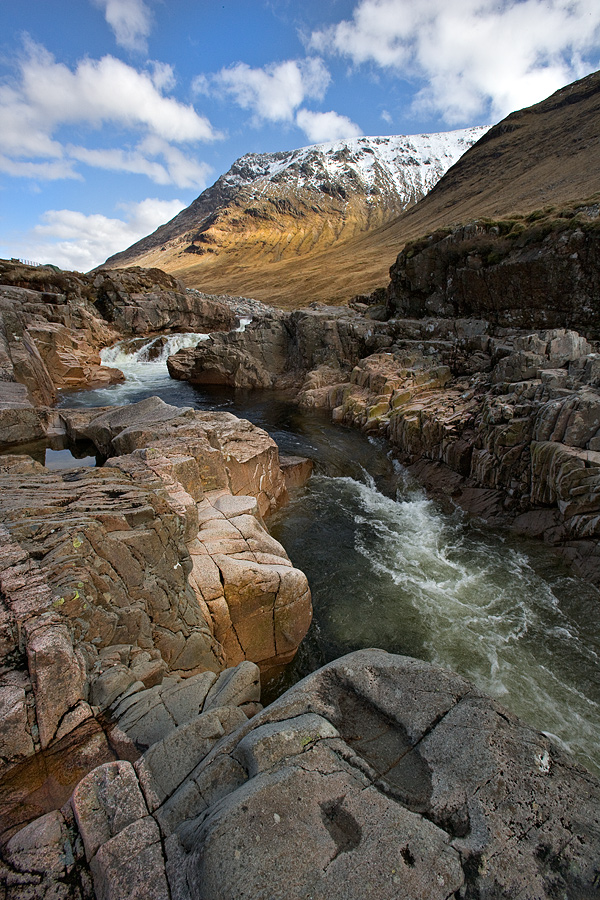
[[53, 325], [156, 564], [504, 420]]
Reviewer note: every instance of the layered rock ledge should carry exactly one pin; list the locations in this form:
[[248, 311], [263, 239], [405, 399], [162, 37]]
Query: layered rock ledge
[[53, 325], [504, 421], [157, 564], [376, 776]]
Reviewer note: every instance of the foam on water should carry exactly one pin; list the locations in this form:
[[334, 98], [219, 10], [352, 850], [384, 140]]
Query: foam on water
[[144, 364], [432, 586], [389, 569]]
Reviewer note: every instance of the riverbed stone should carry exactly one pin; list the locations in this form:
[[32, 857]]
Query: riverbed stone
[[106, 802], [58, 674], [172, 759], [131, 864], [385, 776]]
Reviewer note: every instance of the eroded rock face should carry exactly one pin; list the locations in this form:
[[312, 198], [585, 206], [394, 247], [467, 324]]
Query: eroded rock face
[[276, 349], [384, 776], [53, 324], [145, 301], [229, 453], [533, 276], [51, 340], [377, 776], [157, 564]]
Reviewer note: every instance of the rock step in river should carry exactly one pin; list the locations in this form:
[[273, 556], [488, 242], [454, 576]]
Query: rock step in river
[[389, 568]]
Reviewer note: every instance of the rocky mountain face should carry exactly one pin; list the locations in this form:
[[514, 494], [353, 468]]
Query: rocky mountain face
[[274, 208], [546, 154]]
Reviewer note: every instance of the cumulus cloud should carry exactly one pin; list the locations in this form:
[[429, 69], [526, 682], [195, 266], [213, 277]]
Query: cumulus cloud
[[477, 57], [326, 126], [131, 21], [72, 240], [174, 168], [41, 171], [106, 91], [49, 96], [272, 93]]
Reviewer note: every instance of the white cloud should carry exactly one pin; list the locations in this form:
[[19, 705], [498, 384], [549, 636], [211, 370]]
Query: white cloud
[[72, 240], [176, 168], [477, 57], [274, 92], [326, 126], [107, 91], [49, 96], [386, 116], [41, 171], [131, 21]]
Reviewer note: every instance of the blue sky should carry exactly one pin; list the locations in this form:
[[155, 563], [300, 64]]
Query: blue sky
[[115, 114]]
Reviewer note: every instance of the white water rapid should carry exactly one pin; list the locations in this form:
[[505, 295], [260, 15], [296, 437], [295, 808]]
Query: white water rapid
[[388, 568]]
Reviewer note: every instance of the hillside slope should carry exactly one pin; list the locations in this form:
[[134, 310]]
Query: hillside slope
[[273, 210], [544, 155]]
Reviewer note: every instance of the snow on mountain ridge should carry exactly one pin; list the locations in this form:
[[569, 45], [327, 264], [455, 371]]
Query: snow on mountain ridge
[[402, 164]]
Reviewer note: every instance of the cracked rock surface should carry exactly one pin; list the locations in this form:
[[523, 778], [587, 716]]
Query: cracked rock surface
[[377, 776], [383, 776]]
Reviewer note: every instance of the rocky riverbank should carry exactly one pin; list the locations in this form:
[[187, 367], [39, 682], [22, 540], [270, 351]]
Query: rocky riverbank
[[378, 775], [505, 421], [161, 554], [141, 601], [53, 324], [151, 570]]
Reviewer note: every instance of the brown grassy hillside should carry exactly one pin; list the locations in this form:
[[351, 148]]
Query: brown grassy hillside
[[547, 154], [270, 212], [543, 155]]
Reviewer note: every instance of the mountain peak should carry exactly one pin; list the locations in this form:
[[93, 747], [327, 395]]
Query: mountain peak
[[272, 206]]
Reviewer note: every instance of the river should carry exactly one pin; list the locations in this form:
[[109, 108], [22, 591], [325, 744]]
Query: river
[[389, 568]]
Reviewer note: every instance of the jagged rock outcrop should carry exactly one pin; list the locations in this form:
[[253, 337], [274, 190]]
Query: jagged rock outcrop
[[157, 564], [53, 325], [512, 438], [537, 272], [377, 776], [276, 349], [50, 332], [146, 301]]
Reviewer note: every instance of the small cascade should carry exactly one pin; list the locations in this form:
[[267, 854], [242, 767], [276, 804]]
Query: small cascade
[[134, 355], [245, 320], [143, 361]]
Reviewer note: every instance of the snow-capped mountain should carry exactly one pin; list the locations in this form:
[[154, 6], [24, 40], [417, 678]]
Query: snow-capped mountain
[[270, 207], [407, 166]]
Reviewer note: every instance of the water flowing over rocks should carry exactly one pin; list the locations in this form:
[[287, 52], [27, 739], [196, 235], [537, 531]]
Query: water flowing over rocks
[[378, 775], [53, 325], [504, 421]]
